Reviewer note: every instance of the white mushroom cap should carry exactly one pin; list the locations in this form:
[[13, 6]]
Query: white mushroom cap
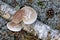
[[30, 15], [14, 27]]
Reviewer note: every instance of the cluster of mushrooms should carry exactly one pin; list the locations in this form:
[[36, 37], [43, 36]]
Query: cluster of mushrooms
[[27, 15]]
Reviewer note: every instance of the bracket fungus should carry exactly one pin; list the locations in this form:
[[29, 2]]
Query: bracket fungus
[[14, 27], [30, 15], [27, 14]]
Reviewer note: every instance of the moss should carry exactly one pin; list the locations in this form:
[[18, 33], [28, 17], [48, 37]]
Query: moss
[[40, 3]]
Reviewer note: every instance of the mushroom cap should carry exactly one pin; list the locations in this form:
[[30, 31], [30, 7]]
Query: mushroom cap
[[14, 27], [30, 15], [17, 17]]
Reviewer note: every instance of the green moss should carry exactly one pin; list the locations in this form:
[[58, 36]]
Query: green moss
[[40, 3]]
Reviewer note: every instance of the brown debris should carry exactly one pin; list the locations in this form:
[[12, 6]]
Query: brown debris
[[49, 36], [58, 26], [30, 1], [23, 35], [50, 13]]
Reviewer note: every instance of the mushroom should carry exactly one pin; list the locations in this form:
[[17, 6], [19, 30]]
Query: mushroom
[[13, 26], [27, 14], [30, 15]]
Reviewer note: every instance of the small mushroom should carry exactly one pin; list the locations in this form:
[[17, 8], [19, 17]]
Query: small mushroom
[[6, 16], [30, 15], [14, 27]]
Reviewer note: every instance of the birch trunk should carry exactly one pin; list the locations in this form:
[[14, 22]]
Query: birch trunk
[[43, 31]]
